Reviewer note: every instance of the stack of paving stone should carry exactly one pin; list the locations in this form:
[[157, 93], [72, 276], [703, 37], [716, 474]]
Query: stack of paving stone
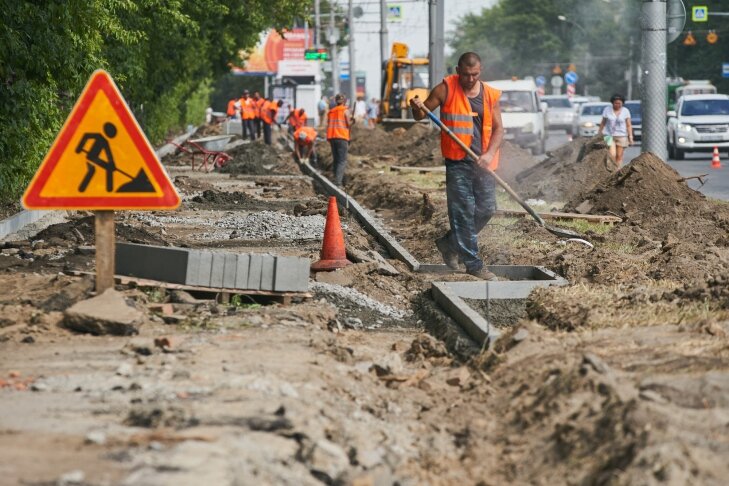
[[201, 268]]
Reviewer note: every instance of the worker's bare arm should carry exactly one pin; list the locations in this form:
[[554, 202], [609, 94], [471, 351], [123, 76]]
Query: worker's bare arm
[[436, 98], [497, 137]]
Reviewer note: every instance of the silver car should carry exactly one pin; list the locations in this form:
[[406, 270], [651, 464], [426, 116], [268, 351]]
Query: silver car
[[560, 113], [589, 118]]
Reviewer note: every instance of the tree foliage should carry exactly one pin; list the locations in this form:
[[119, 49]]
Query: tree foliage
[[164, 55], [527, 38]]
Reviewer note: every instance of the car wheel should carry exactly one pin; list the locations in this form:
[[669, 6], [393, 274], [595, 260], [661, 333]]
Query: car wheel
[[678, 154], [538, 149]]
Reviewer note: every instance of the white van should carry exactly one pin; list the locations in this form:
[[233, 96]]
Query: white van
[[524, 117]]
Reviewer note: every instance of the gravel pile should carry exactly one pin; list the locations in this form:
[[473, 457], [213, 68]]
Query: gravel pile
[[358, 298], [248, 226]]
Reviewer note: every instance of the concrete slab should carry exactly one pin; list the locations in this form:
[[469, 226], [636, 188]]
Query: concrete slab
[[217, 268], [205, 269], [193, 266], [241, 271], [268, 270], [292, 274], [472, 322], [153, 262], [254, 272], [231, 265]]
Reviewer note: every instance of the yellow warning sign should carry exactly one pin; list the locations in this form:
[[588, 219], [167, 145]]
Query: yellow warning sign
[[101, 159]]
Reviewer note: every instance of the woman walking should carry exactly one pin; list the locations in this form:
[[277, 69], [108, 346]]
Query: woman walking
[[617, 128]]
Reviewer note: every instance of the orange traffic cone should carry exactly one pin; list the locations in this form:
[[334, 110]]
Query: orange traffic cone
[[333, 255], [715, 160]]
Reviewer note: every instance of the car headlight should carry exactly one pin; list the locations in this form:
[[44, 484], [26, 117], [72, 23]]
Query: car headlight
[[588, 125], [528, 128], [684, 127]]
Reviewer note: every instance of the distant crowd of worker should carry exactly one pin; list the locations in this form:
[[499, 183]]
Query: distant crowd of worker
[[258, 114]]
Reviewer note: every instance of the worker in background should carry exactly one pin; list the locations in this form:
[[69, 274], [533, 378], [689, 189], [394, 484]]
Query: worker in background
[[269, 111], [231, 109], [258, 102], [470, 108], [339, 121], [248, 115], [304, 139], [297, 119]]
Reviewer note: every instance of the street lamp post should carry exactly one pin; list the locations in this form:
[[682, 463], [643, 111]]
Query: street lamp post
[[562, 18]]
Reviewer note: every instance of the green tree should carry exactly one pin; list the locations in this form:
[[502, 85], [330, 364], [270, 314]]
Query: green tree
[[527, 38], [165, 57]]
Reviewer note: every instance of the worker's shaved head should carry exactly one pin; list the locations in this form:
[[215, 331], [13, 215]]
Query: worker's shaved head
[[469, 59]]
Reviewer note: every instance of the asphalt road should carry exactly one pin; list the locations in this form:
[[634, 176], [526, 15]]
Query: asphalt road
[[716, 182]]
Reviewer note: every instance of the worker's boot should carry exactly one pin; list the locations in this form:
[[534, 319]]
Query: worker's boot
[[483, 274], [450, 257]]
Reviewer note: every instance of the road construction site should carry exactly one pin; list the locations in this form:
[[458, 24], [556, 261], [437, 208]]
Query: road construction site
[[619, 375]]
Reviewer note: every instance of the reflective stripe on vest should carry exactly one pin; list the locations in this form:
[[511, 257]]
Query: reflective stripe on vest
[[337, 123], [457, 115]]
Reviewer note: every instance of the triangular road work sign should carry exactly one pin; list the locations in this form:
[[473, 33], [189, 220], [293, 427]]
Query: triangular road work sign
[[101, 159]]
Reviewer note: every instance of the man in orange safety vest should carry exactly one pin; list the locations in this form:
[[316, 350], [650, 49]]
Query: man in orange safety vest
[[470, 109], [339, 121]]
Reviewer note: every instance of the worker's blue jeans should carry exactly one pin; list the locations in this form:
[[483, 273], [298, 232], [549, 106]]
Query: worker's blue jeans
[[471, 194]]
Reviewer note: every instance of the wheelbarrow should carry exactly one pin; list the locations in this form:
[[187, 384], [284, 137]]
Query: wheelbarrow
[[209, 148]]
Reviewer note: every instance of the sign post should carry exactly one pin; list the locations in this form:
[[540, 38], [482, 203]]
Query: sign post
[[101, 161]]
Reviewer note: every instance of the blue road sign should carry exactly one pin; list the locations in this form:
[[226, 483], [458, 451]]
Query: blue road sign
[[540, 80], [571, 77], [725, 70]]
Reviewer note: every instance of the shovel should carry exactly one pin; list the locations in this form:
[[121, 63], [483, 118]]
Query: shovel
[[562, 233]]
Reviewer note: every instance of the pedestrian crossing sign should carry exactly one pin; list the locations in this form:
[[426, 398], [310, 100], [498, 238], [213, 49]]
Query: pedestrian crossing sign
[[101, 159], [700, 13]]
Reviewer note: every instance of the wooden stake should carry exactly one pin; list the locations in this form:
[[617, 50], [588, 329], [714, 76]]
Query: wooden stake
[[104, 250]]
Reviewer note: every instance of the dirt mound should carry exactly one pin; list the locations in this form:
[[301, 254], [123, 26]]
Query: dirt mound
[[81, 232], [649, 194], [211, 196], [514, 160], [419, 145], [254, 158], [188, 185], [569, 170]]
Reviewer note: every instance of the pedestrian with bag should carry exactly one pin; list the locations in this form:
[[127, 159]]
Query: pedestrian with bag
[[617, 128]]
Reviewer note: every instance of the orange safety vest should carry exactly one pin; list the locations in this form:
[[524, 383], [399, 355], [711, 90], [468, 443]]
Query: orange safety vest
[[260, 103], [296, 120], [269, 112], [337, 123], [310, 133], [249, 111], [231, 108], [456, 114]]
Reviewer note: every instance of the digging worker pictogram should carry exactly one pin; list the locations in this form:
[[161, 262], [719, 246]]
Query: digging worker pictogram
[[93, 156], [470, 108], [100, 145]]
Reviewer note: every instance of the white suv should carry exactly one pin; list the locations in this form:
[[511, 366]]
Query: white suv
[[522, 114], [700, 123]]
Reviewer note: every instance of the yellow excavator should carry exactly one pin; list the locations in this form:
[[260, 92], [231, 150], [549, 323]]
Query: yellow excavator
[[403, 78]]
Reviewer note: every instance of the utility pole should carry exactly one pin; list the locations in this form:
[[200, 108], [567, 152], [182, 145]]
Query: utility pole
[[630, 70], [654, 29], [436, 41], [384, 47], [317, 25], [352, 75], [333, 38]]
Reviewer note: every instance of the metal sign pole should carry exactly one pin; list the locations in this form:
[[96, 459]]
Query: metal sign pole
[[104, 224]]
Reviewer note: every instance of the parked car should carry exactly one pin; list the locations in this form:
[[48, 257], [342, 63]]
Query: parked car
[[560, 113], [699, 123], [522, 114], [636, 118], [589, 118]]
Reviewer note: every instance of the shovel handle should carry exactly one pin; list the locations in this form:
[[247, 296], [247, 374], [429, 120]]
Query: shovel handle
[[498, 179]]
